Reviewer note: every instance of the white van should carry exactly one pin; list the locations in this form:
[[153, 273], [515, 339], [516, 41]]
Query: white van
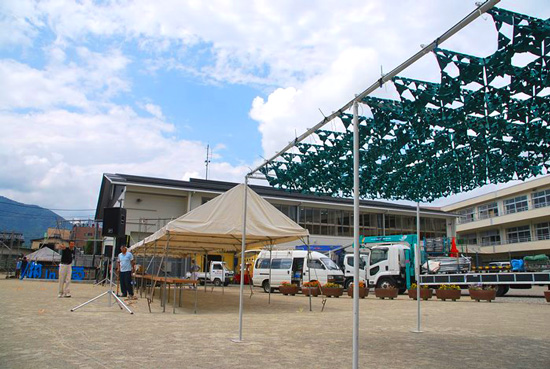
[[290, 266]]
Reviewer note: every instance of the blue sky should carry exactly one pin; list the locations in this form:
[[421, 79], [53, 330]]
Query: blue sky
[[141, 87]]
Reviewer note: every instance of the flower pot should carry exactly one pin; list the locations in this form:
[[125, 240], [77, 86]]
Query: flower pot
[[289, 290], [313, 291], [487, 295], [425, 294], [382, 293], [547, 295], [332, 291], [363, 292], [448, 294]]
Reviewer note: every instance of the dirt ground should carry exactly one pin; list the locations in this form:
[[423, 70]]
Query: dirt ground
[[38, 330]]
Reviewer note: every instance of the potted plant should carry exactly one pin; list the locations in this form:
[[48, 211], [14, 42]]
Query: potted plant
[[390, 293], [547, 294], [482, 292], [311, 288], [425, 292], [363, 290], [287, 288], [332, 290], [448, 292]]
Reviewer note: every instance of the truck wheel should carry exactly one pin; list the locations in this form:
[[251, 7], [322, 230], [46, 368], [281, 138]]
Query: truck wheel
[[347, 283], [502, 289], [201, 281], [217, 282], [266, 286], [386, 283]]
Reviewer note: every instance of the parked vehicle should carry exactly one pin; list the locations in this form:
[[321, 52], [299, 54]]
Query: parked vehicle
[[218, 274], [344, 258], [391, 264], [275, 267]]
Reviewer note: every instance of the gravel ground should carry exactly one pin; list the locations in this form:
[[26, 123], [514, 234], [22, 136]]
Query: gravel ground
[[39, 330]]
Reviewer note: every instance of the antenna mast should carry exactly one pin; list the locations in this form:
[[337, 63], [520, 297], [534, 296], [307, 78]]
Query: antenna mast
[[207, 161]]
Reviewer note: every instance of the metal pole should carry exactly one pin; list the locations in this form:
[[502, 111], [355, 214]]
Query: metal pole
[[308, 259], [243, 247], [417, 267], [387, 77], [270, 261], [8, 272], [355, 236], [164, 299]]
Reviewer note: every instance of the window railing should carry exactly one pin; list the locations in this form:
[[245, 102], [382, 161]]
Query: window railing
[[502, 243], [477, 216]]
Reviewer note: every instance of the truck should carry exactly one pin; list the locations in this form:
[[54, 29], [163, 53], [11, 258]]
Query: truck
[[391, 264], [218, 274], [272, 268], [343, 257]]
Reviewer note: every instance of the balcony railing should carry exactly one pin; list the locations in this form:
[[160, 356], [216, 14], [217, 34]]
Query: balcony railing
[[503, 210], [505, 242]]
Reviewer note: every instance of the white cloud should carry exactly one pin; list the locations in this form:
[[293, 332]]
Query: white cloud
[[309, 57], [154, 110], [62, 162]]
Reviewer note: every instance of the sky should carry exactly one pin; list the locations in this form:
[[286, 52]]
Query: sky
[[143, 87]]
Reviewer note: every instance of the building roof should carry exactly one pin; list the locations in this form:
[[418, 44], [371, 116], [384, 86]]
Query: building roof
[[111, 181]]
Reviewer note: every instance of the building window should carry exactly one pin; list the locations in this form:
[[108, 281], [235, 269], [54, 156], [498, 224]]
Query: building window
[[467, 239], [390, 221], [543, 231], [488, 210], [466, 215], [490, 238], [541, 199], [288, 210], [518, 234], [516, 204]]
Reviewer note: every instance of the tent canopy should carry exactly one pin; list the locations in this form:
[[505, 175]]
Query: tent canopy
[[218, 224], [44, 254]]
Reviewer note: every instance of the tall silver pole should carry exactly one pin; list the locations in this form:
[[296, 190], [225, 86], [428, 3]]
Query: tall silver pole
[[417, 267], [243, 247], [355, 236]]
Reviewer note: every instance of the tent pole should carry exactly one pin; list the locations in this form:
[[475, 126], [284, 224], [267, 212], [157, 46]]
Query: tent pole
[[243, 247], [417, 267], [196, 287], [355, 236], [165, 276], [205, 269], [308, 271], [270, 261]]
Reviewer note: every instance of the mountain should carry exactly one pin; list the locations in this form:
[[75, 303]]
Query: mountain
[[31, 220]]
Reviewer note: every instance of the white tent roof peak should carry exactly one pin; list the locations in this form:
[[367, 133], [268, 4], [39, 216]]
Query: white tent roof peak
[[44, 254], [218, 225]]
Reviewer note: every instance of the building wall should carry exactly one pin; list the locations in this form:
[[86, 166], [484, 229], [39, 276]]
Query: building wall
[[513, 222]]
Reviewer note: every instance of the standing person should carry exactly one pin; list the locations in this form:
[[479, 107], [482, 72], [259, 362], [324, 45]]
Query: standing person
[[18, 268], [125, 266], [65, 269], [24, 264], [194, 272]]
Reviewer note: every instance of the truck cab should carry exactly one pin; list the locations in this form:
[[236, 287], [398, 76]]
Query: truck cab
[[218, 274], [348, 267], [387, 265]]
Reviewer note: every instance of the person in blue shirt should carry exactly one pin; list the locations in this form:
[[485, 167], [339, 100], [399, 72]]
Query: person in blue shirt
[[18, 268], [125, 266]]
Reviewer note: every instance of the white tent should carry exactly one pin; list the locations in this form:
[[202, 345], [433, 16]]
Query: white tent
[[44, 254], [218, 226]]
